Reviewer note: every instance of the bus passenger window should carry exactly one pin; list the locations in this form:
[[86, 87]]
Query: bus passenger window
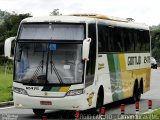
[[118, 40], [128, 40], [137, 42], [147, 40], [142, 40], [111, 43], [102, 38]]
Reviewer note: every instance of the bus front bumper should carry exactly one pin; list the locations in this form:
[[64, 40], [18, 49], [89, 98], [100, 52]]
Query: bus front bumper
[[78, 102]]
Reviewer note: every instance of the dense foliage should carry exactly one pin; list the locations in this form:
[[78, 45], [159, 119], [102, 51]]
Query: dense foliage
[[155, 43], [9, 23], [3, 15], [5, 60]]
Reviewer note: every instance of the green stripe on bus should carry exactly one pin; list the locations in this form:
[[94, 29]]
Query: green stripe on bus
[[118, 76], [55, 89], [115, 75], [111, 65]]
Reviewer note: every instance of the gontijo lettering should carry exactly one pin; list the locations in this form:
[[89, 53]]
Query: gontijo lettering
[[134, 60]]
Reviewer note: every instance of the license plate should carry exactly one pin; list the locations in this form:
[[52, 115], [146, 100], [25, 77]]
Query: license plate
[[45, 102]]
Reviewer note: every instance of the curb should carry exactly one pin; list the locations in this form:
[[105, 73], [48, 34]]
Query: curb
[[9, 103]]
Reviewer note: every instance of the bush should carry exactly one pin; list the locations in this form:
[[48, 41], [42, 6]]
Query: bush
[[4, 60]]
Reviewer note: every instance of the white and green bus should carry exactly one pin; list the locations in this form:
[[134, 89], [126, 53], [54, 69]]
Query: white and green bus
[[79, 62]]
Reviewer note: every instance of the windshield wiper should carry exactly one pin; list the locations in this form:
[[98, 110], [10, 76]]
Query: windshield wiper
[[55, 70], [39, 67], [36, 73]]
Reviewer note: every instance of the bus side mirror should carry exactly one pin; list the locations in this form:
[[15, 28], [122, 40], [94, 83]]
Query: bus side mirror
[[7, 47], [86, 48]]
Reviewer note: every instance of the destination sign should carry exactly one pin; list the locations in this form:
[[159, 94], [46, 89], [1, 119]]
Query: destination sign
[[137, 60]]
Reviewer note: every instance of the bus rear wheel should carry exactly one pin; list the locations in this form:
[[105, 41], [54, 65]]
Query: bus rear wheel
[[39, 112], [136, 94]]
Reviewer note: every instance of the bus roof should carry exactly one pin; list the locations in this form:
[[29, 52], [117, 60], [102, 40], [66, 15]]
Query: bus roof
[[67, 19], [115, 21], [83, 18], [99, 16]]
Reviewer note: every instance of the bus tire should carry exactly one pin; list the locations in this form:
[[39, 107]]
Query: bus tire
[[38, 112], [141, 86], [136, 94], [100, 99], [139, 94]]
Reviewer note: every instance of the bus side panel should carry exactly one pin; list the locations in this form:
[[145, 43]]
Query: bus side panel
[[124, 69], [127, 80], [135, 69], [144, 74], [104, 77], [145, 66], [115, 76], [147, 82], [119, 72]]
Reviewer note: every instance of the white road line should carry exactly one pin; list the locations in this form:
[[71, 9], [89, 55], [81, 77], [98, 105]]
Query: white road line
[[6, 108]]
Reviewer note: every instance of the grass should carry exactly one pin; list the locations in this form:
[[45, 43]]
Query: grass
[[5, 84], [152, 116], [157, 113]]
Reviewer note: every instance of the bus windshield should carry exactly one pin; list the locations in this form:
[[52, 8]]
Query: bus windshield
[[48, 63], [48, 31]]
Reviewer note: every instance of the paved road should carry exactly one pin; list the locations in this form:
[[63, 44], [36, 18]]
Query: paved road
[[113, 108]]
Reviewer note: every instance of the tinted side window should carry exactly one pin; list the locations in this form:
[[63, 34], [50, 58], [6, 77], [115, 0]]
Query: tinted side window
[[92, 35], [102, 38], [106, 38], [90, 70], [136, 40], [142, 41], [128, 39], [147, 40], [111, 39], [119, 40]]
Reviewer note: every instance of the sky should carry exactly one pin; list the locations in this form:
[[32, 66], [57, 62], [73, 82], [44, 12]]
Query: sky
[[143, 11]]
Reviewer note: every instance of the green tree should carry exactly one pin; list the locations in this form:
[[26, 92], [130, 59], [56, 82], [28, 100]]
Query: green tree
[[55, 12], [3, 15], [9, 26], [155, 41]]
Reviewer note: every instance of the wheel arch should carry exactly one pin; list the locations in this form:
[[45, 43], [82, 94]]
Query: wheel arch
[[101, 90], [135, 84]]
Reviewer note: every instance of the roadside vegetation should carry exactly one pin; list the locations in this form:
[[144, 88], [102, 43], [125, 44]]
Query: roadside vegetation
[[157, 113], [9, 23], [6, 75], [155, 42], [152, 116]]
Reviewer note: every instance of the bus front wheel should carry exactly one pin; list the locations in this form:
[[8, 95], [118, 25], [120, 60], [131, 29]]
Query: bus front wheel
[[99, 103], [39, 112]]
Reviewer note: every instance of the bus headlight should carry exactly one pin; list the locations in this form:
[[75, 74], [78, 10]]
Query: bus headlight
[[75, 92], [20, 91]]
